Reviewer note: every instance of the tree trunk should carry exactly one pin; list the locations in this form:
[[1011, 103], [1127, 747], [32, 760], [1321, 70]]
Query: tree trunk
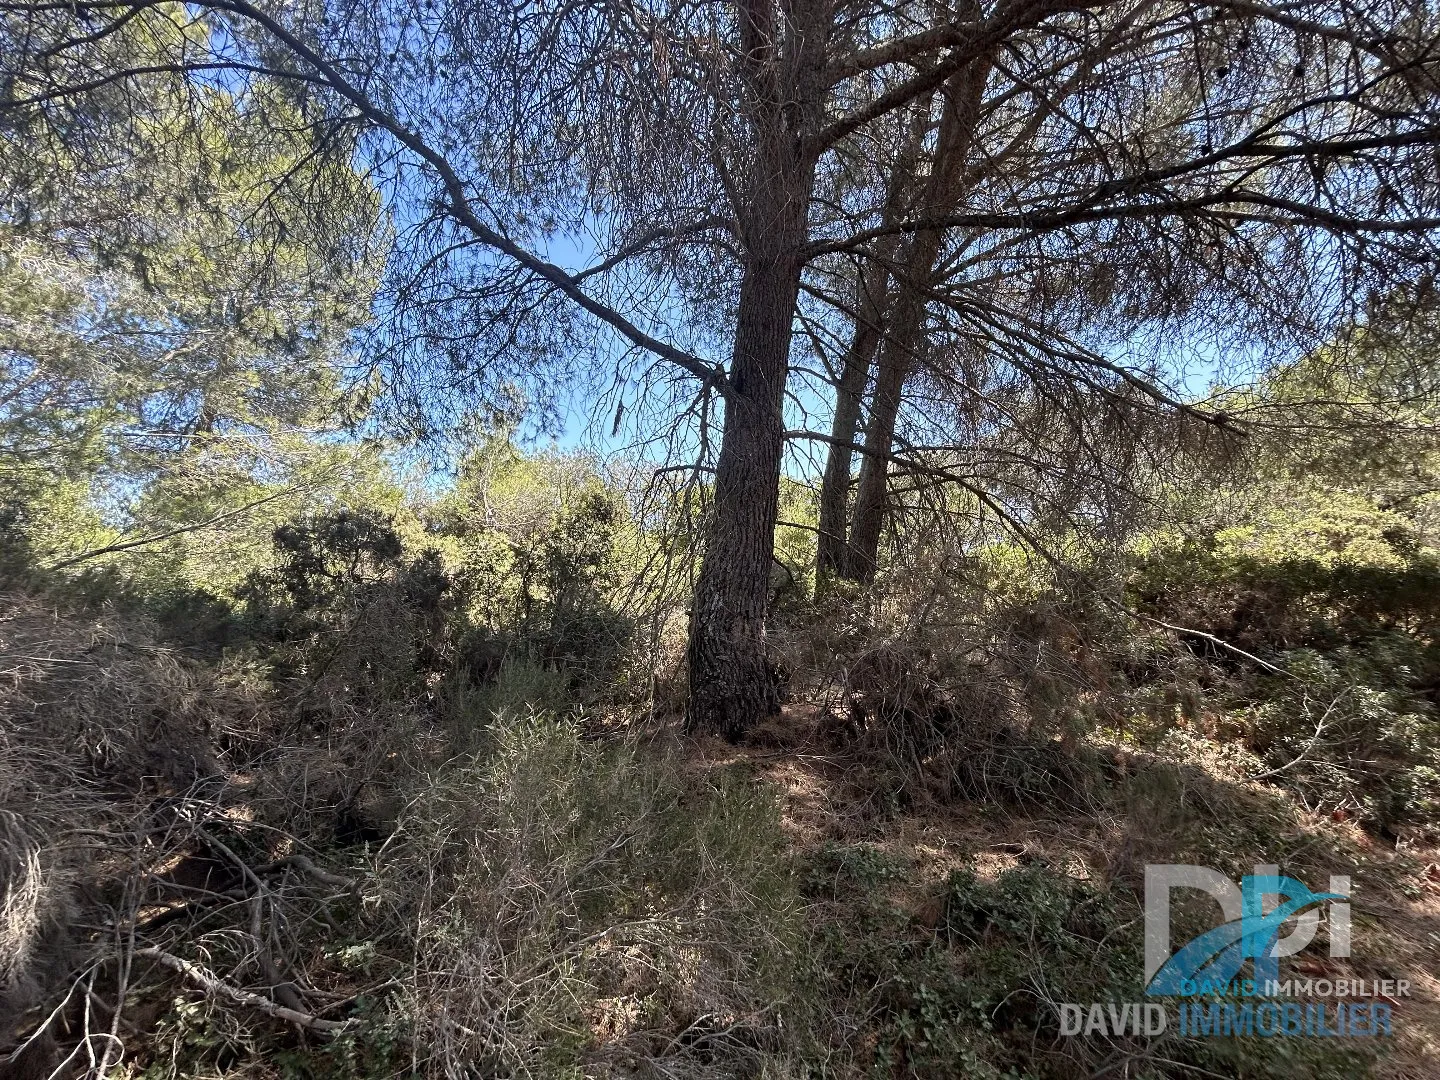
[[871, 300], [835, 487], [905, 333], [731, 686], [731, 682], [905, 326]]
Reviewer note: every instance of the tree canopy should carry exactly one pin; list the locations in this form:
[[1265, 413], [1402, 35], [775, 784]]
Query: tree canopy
[[1025, 225]]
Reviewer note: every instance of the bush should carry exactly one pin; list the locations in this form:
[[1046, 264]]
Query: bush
[[1341, 731], [1291, 600], [586, 901], [973, 990], [534, 542], [347, 617]]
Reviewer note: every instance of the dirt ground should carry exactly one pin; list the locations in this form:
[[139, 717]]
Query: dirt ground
[[827, 798]]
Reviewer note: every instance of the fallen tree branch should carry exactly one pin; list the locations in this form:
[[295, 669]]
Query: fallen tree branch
[[301, 863], [1314, 739], [286, 991], [1220, 642], [208, 982]]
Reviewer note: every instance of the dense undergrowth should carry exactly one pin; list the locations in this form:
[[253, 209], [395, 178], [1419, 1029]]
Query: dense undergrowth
[[344, 731], [407, 797]]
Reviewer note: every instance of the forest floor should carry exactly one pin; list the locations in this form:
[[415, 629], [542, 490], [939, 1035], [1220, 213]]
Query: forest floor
[[828, 802], [921, 924]]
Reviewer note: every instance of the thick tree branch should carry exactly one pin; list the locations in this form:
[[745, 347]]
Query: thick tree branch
[[457, 201]]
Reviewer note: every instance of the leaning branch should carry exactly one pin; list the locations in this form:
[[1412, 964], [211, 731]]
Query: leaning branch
[[458, 203], [1186, 631], [127, 545]]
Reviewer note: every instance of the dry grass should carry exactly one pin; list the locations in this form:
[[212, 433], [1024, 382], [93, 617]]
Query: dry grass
[[205, 867], [100, 725], [298, 860]]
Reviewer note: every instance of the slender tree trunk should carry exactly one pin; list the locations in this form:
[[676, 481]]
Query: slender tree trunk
[[871, 300], [849, 392], [905, 332], [905, 323]]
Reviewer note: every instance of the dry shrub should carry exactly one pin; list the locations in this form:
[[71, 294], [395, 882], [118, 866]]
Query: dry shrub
[[174, 842], [951, 727], [133, 780], [584, 901], [99, 722], [1010, 767], [355, 714], [35, 910], [122, 711]]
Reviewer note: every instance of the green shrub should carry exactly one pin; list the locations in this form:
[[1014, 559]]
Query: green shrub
[[535, 544], [1343, 731], [976, 995]]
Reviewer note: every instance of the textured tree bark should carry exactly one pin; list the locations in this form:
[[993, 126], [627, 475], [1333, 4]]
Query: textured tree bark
[[731, 682], [905, 333], [905, 321], [731, 685]]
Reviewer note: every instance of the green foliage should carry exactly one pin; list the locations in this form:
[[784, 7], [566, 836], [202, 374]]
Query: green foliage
[[562, 576], [795, 544], [355, 618], [976, 996], [1342, 597], [1298, 578], [1346, 733], [520, 687], [846, 869], [1364, 408], [534, 544], [238, 505], [331, 554], [172, 316]]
